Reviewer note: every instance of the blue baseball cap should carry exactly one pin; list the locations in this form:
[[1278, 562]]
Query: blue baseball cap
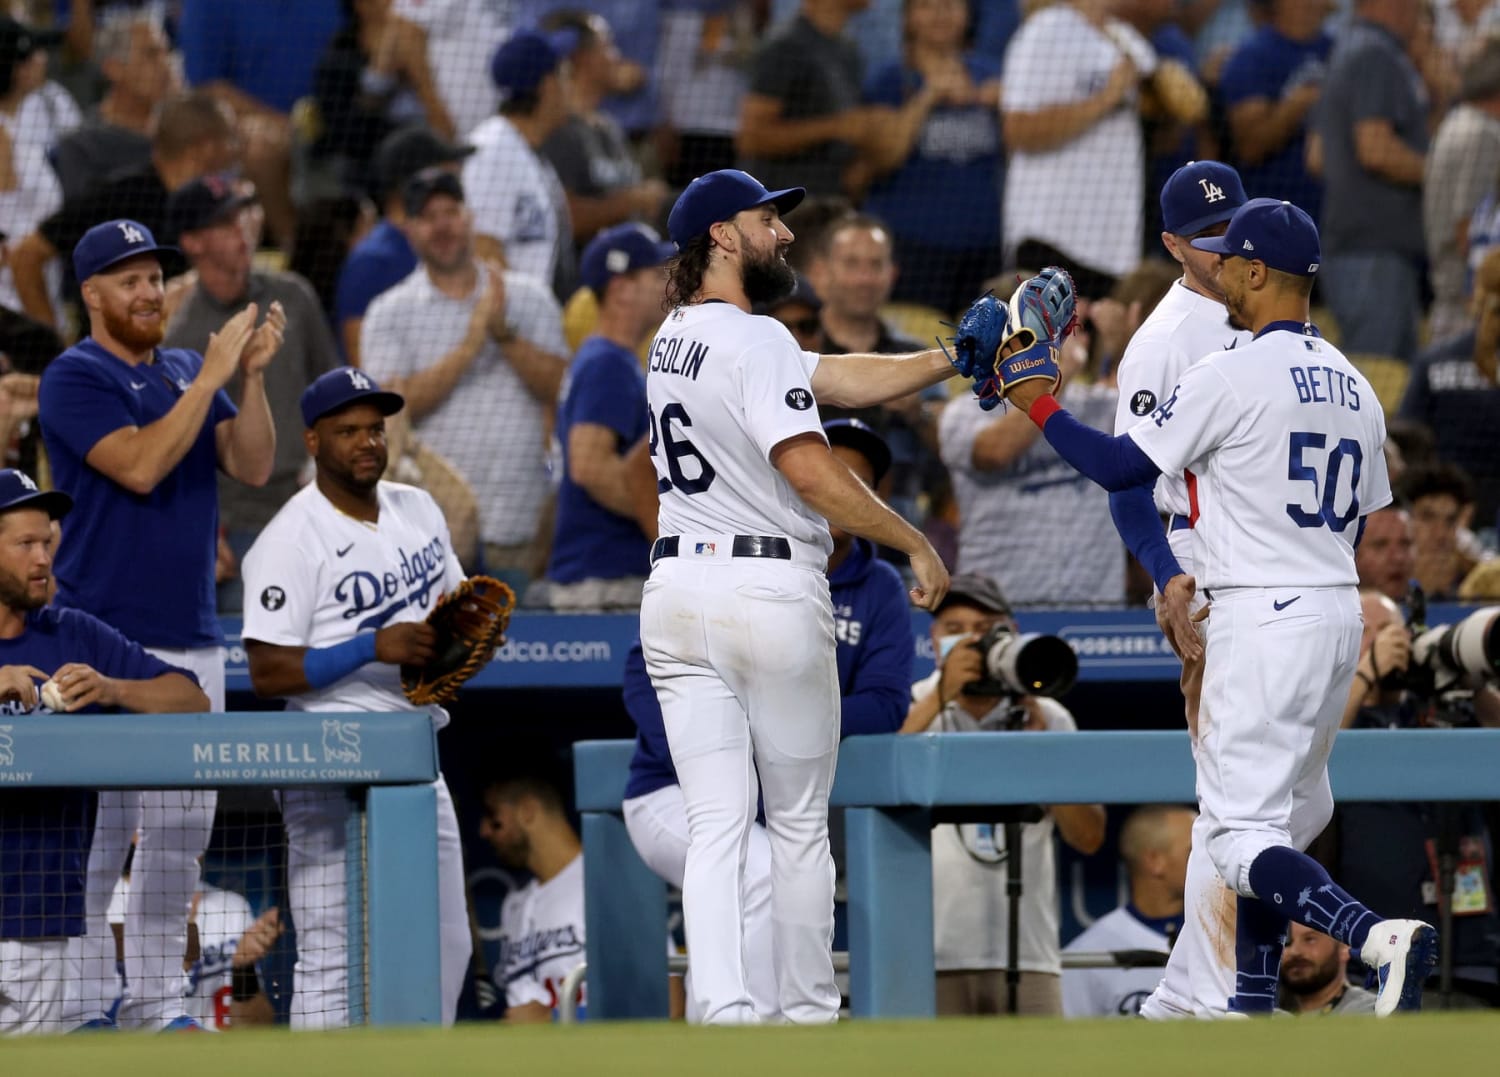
[[343, 386], [18, 491], [518, 66], [113, 241], [621, 249], [1200, 195], [862, 438], [717, 197], [1271, 231]]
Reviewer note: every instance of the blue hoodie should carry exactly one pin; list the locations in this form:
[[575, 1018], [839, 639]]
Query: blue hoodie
[[872, 625]]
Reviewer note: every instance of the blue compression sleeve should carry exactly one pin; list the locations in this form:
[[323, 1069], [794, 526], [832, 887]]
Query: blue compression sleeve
[[321, 666], [1115, 463], [1139, 525]]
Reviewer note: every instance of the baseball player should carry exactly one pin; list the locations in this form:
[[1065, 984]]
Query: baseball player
[[541, 924], [736, 622], [1154, 845], [1286, 438], [1189, 323], [54, 660], [873, 631], [336, 591], [138, 434]]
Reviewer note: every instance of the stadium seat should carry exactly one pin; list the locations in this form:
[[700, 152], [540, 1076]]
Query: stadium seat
[[579, 315], [1388, 375], [921, 323]]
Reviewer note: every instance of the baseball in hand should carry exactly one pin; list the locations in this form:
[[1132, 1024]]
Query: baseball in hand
[[53, 698]]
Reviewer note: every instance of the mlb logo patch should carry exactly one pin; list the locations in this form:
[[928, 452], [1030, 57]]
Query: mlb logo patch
[[705, 549], [1311, 345]]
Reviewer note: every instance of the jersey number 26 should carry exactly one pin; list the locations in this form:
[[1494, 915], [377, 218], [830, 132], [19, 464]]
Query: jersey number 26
[[1325, 483], [678, 448]]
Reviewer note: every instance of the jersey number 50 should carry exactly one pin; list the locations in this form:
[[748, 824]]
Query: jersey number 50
[[678, 448], [1325, 486]]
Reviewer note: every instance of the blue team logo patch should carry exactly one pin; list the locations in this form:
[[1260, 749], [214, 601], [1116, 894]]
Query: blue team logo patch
[[1142, 402], [799, 399], [273, 598]]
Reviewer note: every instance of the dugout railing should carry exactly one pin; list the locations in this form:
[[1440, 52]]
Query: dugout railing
[[893, 787], [387, 761]]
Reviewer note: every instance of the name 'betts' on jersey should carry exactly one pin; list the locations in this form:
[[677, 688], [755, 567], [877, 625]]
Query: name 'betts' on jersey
[[317, 576], [722, 385]]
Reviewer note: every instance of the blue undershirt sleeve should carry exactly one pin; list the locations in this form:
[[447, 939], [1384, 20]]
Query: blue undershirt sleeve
[[1136, 520], [1115, 463]]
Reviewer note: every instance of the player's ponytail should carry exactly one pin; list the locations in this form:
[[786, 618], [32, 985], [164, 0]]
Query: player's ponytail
[[685, 273]]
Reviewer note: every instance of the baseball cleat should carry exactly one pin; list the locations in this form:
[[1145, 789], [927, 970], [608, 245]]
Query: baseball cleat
[[98, 1024], [1400, 953], [184, 1023]]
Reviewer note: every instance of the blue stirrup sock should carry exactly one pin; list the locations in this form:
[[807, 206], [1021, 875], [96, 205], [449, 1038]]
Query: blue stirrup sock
[[1296, 886]]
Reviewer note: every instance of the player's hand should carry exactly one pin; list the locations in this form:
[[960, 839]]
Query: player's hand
[[18, 397], [488, 318], [1178, 623], [18, 684], [964, 665], [222, 356], [1122, 79], [258, 939], [83, 685], [1389, 651], [932, 577], [409, 643], [265, 342]]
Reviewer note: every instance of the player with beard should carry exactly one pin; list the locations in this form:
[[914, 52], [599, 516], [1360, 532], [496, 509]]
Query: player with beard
[[138, 433], [1313, 977], [737, 624], [337, 591]]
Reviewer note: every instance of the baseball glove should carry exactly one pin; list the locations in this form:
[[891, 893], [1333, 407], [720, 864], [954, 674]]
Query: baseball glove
[[977, 336], [469, 624], [1041, 312]]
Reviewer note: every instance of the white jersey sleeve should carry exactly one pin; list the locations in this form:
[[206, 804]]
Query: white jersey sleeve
[[281, 586], [1198, 416], [777, 395]]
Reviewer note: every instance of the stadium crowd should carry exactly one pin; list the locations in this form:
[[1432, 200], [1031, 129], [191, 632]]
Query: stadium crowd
[[464, 198]]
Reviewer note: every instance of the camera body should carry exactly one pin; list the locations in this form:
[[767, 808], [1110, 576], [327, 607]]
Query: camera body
[[1448, 659], [1023, 664]]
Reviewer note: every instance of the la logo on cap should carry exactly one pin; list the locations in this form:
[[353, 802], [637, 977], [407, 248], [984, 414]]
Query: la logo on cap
[[131, 233], [358, 380], [1212, 192], [26, 480]]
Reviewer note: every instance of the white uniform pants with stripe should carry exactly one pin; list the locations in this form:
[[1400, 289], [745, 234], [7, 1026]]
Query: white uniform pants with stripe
[[741, 652], [658, 828], [316, 822], [172, 829]]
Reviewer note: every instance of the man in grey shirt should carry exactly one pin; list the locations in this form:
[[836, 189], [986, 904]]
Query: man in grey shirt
[[1314, 979], [217, 223], [1372, 130]]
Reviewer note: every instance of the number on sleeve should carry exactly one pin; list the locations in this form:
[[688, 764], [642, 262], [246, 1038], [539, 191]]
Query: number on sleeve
[[678, 448], [1325, 487]]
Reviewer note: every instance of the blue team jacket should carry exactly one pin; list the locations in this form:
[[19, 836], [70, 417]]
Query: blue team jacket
[[872, 625]]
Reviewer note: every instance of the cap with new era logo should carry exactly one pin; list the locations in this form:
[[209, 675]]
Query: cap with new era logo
[[1270, 231]]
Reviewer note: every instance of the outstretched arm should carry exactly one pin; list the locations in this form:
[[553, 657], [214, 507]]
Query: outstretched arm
[[1115, 463], [863, 380]]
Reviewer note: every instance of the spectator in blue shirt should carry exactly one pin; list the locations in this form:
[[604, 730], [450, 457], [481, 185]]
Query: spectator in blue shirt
[[1269, 87], [139, 433], [44, 833], [945, 136], [384, 257], [872, 626], [598, 558]]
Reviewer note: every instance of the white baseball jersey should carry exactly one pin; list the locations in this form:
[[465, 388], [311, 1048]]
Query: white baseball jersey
[[316, 577], [541, 937], [723, 389], [1285, 438], [223, 918], [1111, 992], [516, 197], [1184, 327]]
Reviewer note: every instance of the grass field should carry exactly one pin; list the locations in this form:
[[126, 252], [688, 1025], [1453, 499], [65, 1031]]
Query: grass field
[[1431, 1044]]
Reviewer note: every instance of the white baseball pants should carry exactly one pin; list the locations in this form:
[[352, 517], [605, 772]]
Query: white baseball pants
[[35, 977], [658, 826], [741, 653], [172, 828], [316, 822]]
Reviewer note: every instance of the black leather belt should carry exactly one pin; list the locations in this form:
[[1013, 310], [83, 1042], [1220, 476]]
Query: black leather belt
[[743, 546], [1180, 523]]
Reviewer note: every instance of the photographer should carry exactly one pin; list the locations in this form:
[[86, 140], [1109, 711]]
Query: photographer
[[1391, 851], [970, 908]]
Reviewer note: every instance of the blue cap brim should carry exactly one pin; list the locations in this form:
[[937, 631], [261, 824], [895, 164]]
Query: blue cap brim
[[54, 503], [785, 200], [160, 248], [1198, 224], [388, 402], [1214, 244]]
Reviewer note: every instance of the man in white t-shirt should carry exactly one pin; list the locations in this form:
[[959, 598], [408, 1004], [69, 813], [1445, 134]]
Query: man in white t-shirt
[[737, 624], [541, 924], [520, 207], [1189, 323], [337, 590], [1154, 845], [970, 907], [461, 38], [478, 353], [1075, 181]]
